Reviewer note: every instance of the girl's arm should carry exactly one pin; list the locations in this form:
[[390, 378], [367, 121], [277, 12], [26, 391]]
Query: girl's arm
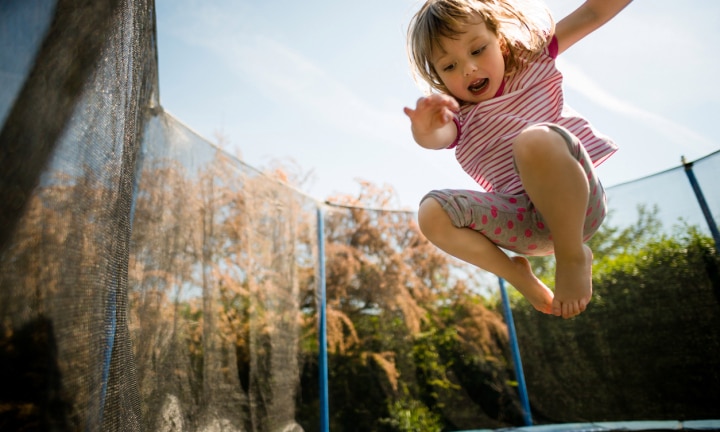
[[590, 16]]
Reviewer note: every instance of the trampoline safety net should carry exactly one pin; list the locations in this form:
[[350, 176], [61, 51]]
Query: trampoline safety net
[[140, 265], [150, 281]]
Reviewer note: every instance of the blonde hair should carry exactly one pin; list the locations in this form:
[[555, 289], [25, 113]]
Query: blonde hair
[[521, 26]]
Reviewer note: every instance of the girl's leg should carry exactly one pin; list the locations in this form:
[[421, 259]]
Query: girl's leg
[[474, 248], [558, 186]]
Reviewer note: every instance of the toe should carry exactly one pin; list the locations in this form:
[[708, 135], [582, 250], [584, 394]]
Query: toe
[[570, 309], [557, 307]]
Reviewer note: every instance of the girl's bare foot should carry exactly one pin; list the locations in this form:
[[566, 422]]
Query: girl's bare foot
[[573, 284], [536, 292]]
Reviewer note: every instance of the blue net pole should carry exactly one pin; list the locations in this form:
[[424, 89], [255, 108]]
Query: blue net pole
[[322, 327], [703, 204], [515, 348]]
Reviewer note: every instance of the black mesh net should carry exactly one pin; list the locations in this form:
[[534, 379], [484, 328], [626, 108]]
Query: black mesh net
[[150, 281], [140, 265], [671, 194], [221, 257], [73, 114]]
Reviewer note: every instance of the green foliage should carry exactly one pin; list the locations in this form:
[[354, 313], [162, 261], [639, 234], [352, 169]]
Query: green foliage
[[647, 347], [410, 415], [432, 366]]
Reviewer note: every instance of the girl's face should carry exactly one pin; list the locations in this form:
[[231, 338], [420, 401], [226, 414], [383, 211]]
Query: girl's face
[[471, 65]]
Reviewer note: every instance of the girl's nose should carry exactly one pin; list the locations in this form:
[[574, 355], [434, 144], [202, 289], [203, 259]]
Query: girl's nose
[[470, 67]]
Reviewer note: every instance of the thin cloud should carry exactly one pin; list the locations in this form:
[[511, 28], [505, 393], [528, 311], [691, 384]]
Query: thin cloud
[[287, 76]]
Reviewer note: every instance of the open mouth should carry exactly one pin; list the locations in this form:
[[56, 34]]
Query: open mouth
[[478, 86]]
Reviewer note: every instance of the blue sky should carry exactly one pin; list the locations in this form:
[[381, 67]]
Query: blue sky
[[320, 85]]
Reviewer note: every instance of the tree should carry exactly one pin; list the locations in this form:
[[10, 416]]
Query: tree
[[406, 325]]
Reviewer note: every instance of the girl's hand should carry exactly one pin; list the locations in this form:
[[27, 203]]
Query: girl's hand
[[432, 112], [432, 120]]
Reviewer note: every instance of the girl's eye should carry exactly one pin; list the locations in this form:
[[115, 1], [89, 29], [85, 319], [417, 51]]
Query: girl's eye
[[448, 68], [478, 51]]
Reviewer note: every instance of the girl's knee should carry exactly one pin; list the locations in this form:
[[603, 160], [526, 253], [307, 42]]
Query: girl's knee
[[431, 217], [537, 142]]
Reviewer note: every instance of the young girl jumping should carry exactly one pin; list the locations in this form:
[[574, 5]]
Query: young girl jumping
[[498, 102]]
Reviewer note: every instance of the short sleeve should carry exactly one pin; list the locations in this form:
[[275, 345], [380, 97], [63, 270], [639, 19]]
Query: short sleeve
[[553, 47], [457, 137]]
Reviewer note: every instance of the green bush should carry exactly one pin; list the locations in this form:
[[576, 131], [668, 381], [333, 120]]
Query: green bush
[[647, 347]]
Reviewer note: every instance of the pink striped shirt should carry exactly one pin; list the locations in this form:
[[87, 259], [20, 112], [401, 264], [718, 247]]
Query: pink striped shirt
[[532, 95]]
